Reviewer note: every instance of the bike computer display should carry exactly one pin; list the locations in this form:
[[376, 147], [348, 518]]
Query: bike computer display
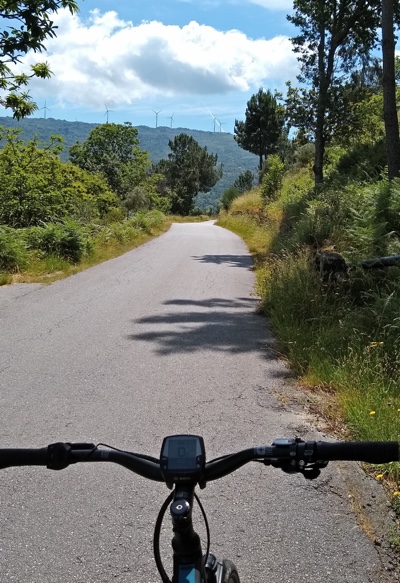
[[182, 458]]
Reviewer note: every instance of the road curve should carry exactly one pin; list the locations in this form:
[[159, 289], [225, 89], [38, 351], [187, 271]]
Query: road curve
[[163, 339]]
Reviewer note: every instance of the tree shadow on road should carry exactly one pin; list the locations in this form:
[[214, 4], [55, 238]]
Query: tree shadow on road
[[215, 324], [245, 261]]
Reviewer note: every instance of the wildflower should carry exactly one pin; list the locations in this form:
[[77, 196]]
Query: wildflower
[[396, 493], [372, 412], [373, 344], [379, 476]]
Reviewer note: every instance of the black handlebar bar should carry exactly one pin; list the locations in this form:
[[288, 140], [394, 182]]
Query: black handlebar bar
[[291, 455]]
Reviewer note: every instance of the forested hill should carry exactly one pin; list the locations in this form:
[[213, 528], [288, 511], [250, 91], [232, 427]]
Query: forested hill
[[155, 141]]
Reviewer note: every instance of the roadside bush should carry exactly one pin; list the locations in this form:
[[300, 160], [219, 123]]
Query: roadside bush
[[120, 233], [272, 178], [228, 196], [68, 241], [13, 253], [147, 221]]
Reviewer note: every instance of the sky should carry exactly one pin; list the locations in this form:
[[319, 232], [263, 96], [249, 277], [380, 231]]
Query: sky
[[176, 63]]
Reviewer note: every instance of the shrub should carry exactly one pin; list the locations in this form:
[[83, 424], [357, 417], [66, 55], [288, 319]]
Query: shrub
[[68, 240], [13, 253], [147, 221], [228, 196], [36, 187], [271, 183]]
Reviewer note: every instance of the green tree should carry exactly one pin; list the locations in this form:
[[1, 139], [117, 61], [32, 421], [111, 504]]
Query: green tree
[[30, 25], [358, 100], [228, 196], [113, 151], [244, 181], [189, 170], [263, 124], [36, 187], [334, 36], [389, 90]]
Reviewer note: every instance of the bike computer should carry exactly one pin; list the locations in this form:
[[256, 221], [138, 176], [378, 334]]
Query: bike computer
[[182, 459]]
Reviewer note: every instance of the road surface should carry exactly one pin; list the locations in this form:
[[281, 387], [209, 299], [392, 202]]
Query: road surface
[[161, 340]]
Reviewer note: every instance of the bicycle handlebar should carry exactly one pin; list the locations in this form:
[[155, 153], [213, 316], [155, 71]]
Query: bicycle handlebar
[[291, 455]]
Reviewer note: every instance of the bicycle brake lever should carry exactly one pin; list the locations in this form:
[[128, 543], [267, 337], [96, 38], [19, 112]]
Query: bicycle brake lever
[[310, 470]]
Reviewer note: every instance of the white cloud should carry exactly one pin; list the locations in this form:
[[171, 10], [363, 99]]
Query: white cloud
[[107, 60]]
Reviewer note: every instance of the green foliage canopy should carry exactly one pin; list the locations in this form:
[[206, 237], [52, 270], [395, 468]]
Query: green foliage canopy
[[36, 187], [189, 170], [244, 181], [263, 125], [335, 36], [34, 26], [113, 151]]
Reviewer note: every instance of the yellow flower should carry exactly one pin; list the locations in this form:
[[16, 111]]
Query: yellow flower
[[379, 476], [396, 493], [372, 344], [372, 412]]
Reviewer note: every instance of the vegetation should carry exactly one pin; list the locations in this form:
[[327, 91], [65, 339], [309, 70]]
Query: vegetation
[[228, 196], [261, 130], [48, 252], [244, 181], [341, 337], [155, 141], [188, 170], [334, 38], [33, 28], [37, 188], [112, 150], [339, 187]]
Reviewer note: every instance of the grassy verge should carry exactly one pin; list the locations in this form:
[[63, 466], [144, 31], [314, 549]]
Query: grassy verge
[[342, 341], [99, 243]]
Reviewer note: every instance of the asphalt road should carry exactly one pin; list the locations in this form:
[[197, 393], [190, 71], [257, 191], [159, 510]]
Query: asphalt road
[[161, 340]]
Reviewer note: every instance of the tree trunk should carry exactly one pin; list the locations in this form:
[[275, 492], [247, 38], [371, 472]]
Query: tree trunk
[[321, 107], [389, 91]]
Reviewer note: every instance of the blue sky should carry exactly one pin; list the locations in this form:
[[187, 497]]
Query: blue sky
[[196, 62]]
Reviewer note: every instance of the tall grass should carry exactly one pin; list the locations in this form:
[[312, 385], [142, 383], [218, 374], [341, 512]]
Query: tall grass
[[247, 219], [342, 338]]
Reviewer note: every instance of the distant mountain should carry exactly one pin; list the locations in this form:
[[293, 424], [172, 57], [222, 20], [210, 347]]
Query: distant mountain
[[155, 141]]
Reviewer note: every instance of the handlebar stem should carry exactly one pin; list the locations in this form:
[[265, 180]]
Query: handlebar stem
[[186, 542]]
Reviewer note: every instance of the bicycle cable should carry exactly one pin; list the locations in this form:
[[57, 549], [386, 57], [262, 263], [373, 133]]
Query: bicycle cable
[[156, 539]]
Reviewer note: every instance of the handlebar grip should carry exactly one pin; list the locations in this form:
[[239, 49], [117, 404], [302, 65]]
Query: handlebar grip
[[373, 452], [23, 457]]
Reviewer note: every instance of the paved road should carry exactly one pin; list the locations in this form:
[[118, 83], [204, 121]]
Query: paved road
[[162, 340]]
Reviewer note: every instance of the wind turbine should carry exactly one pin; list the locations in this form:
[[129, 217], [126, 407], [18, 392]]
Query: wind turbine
[[221, 124], [171, 117], [157, 112], [46, 109], [213, 116], [107, 112]]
